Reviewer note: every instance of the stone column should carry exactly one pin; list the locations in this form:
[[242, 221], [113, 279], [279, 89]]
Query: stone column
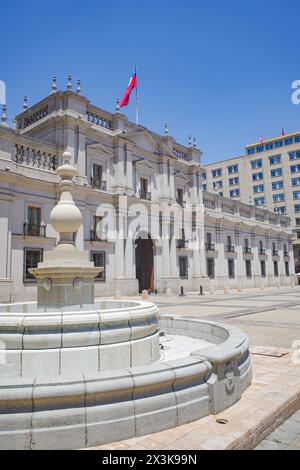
[[119, 169], [120, 249], [221, 261], [6, 212], [165, 243], [129, 170], [172, 183], [81, 154]]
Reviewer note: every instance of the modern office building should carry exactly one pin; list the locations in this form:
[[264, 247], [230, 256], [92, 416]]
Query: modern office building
[[267, 176], [146, 218]]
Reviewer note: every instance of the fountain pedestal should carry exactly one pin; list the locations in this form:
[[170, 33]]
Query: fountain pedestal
[[66, 276]]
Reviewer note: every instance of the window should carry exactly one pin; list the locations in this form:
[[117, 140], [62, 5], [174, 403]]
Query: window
[[98, 258], [233, 181], [251, 151], [217, 172], [269, 146], [210, 268], [233, 169], [275, 159], [209, 244], [281, 210], [95, 235], [297, 208], [259, 201], [288, 141], [276, 172], [144, 194], [257, 176], [248, 268], [295, 181], [296, 195], [260, 148], [258, 188], [203, 176], [221, 194], [278, 144], [263, 268], [294, 155], [179, 196], [33, 221], [297, 139], [276, 273], [217, 184], [32, 256], [279, 197], [247, 248], [234, 193], [97, 177], [287, 268], [204, 187], [297, 221], [183, 267], [256, 164], [277, 185], [262, 250], [295, 168], [231, 273]]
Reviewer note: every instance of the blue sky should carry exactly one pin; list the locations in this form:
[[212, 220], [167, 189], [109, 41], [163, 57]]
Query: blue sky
[[219, 70]]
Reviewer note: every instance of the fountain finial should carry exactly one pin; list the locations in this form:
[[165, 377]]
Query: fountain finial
[[65, 217], [66, 276]]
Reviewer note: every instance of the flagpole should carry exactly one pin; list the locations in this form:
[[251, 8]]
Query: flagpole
[[136, 101]]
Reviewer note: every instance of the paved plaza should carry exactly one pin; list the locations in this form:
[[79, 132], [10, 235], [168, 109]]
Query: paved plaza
[[270, 317]]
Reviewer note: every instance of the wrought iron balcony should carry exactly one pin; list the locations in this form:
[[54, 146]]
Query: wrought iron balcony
[[210, 246], [181, 243], [262, 251], [98, 183], [247, 250], [286, 253], [34, 230], [274, 252], [181, 202], [145, 195], [230, 249]]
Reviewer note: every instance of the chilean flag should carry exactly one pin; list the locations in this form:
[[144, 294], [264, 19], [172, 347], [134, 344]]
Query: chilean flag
[[131, 85]]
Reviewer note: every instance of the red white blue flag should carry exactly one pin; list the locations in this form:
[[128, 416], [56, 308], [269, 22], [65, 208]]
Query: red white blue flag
[[131, 85]]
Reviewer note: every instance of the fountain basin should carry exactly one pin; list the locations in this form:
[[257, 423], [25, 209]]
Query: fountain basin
[[84, 410], [103, 336]]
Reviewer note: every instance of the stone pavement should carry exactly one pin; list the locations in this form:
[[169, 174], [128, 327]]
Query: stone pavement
[[271, 318], [285, 437], [273, 396]]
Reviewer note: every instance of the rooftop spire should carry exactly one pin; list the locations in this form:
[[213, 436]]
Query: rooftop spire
[[78, 89], [194, 142], [117, 105], [4, 116], [25, 104], [15, 123], [190, 141], [69, 85], [54, 85], [166, 131]]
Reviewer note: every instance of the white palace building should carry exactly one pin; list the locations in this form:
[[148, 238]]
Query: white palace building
[[146, 218]]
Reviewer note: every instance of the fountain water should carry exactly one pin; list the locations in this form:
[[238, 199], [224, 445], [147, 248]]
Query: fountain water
[[77, 373]]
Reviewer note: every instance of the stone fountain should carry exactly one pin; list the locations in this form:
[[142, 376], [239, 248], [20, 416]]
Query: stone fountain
[[75, 372]]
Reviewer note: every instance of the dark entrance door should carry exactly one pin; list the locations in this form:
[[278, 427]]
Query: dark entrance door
[[144, 264]]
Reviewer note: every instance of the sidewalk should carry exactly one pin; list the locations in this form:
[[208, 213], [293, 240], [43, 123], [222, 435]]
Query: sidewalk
[[273, 397]]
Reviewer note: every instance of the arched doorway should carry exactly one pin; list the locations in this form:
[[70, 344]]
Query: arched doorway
[[144, 263]]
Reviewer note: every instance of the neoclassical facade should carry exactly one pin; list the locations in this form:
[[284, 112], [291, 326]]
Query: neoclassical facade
[[147, 220]]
